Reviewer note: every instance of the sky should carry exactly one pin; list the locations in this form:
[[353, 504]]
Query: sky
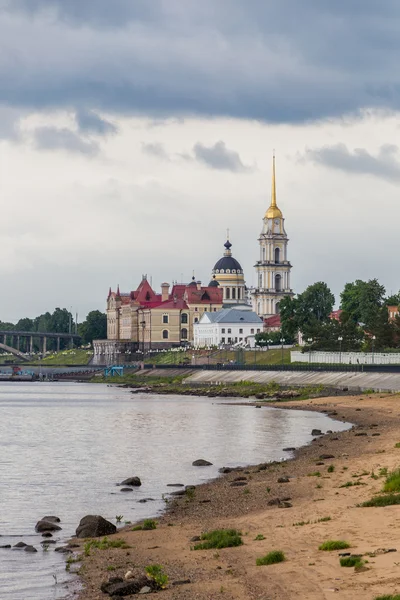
[[134, 134]]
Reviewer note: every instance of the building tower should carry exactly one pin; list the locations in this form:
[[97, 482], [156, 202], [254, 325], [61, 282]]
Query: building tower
[[273, 267], [228, 275]]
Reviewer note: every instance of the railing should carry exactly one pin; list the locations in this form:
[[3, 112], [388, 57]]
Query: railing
[[300, 367]]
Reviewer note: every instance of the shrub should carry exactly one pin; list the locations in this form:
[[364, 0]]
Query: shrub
[[149, 524], [388, 500], [352, 484], [276, 556], [334, 545], [389, 597], [157, 573], [220, 538], [259, 537], [324, 519], [396, 446], [392, 483], [315, 474], [331, 468], [351, 561]]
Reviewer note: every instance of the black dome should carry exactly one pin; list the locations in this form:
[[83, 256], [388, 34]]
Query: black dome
[[213, 282], [193, 282], [227, 262]]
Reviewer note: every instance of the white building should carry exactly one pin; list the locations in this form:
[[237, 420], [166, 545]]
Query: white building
[[228, 326], [273, 267]]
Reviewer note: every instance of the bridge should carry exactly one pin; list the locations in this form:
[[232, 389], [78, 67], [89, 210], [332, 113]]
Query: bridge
[[15, 337]]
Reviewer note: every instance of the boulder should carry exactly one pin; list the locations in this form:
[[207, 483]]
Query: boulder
[[145, 590], [6, 546], [179, 493], [127, 588], [30, 549], [288, 449], [201, 463], [135, 481], [316, 432], [326, 456], [175, 485], [51, 519], [284, 479], [20, 545], [94, 526], [47, 534], [125, 489], [46, 526]]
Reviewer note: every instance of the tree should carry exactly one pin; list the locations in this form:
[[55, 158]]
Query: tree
[[393, 300], [308, 312], [94, 328], [361, 300]]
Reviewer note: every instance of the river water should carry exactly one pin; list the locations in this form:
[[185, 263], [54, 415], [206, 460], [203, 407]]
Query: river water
[[64, 447]]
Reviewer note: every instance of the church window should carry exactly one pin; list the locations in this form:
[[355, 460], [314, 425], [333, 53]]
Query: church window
[[184, 318], [184, 334], [278, 282], [227, 293], [277, 255], [165, 334], [233, 293], [233, 270], [196, 320], [165, 319], [238, 293]]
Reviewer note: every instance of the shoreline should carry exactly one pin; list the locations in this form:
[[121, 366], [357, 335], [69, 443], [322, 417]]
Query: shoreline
[[231, 573]]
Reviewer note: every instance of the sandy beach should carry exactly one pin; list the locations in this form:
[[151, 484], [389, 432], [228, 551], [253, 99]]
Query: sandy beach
[[292, 525]]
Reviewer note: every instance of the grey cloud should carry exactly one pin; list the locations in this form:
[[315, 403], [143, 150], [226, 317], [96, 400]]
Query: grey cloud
[[219, 157], [53, 138], [155, 149], [90, 122], [385, 164], [280, 62]]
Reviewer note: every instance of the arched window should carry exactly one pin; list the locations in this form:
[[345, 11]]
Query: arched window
[[165, 334], [184, 318], [196, 320], [233, 293], [278, 281], [227, 293], [184, 334], [263, 252], [277, 255]]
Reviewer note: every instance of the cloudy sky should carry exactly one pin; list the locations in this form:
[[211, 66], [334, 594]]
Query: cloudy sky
[[133, 133]]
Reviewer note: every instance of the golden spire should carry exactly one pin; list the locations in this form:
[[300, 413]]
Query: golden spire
[[273, 210]]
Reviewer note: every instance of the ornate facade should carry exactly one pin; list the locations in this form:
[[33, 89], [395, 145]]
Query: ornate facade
[[228, 275], [273, 267]]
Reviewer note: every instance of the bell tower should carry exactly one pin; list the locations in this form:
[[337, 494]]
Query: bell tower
[[272, 268]]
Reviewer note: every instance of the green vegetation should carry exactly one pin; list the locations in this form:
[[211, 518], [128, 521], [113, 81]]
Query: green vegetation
[[392, 483], [104, 544], [272, 558], [324, 519], [351, 561], [301, 523], [78, 356], [259, 537], [71, 560], [157, 573], [220, 538], [352, 484], [383, 472], [149, 524], [330, 545], [389, 500], [388, 597], [315, 474], [397, 445], [331, 468]]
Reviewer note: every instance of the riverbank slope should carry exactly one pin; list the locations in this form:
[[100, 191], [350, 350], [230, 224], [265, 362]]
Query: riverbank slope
[[318, 503]]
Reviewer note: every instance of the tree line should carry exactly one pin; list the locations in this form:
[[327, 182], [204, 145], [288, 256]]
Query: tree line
[[61, 320], [364, 323]]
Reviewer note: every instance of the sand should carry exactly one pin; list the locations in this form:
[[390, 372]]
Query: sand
[[307, 573]]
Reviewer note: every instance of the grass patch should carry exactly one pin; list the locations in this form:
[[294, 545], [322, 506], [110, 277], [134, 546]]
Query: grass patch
[[396, 446], [272, 558], [156, 572], [389, 597], [324, 519], [351, 561], [351, 484], [388, 500], [149, 524], [259, 537], [220, 538], [383, 472], [315, 474], [104, 544], [301, 523], [392, 483], [330, 545], [331, 468]]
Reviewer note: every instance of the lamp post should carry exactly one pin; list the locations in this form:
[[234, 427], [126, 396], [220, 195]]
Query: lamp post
[[282, 342], [373, 347], [340, 340], [309, 340]]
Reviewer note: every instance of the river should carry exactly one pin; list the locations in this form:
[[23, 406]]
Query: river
[[64, 447]]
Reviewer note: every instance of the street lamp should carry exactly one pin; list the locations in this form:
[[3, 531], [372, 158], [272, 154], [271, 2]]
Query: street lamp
[[340, 340], [309, 340], [373, 347], [282, 342]]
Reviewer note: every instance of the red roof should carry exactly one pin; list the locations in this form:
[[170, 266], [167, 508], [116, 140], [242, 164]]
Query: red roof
[[335, 314], [274, 321]]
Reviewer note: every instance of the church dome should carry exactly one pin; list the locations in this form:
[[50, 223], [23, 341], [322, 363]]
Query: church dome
[[193, 282], [227, 264], [213, 282]]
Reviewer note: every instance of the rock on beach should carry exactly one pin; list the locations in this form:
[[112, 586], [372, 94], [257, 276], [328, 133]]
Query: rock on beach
[[94, 526], [201, 463]]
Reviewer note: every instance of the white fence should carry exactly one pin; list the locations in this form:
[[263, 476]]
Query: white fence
[[346, 358]]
